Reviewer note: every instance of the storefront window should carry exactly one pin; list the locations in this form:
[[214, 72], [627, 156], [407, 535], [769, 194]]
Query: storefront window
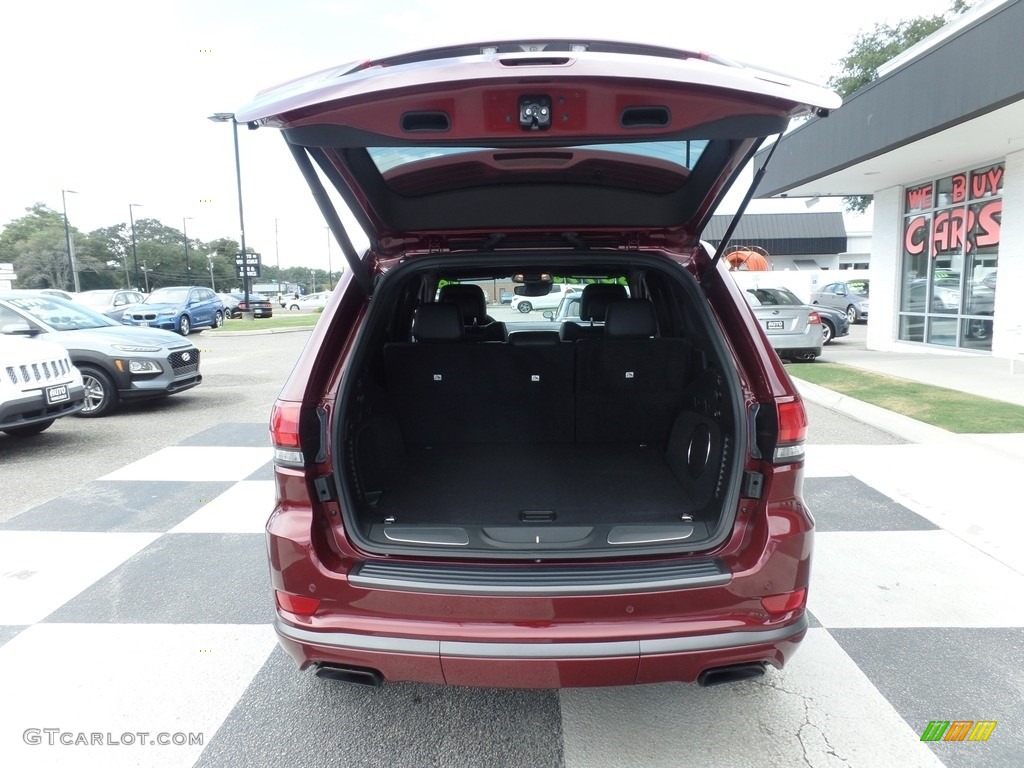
[[950, 252]]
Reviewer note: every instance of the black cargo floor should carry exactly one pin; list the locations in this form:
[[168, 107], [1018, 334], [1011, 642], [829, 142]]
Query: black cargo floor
[[505, 484]]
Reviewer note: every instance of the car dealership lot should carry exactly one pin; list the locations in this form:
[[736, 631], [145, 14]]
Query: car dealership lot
[[134, 598]]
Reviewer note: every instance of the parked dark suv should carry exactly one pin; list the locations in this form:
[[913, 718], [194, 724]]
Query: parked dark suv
[[499, 506]]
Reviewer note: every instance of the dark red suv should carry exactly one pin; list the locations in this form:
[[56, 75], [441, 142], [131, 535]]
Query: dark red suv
[[473, 496]]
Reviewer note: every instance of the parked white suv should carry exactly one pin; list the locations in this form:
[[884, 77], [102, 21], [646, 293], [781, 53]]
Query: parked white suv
[[38, 385], [549, 301]]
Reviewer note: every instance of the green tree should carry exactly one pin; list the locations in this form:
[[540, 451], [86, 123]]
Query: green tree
[[871, 50], [112, 247], [218, 257], [37, 245]]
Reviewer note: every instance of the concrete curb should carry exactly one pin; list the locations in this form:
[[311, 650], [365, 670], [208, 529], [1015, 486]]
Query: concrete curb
[[264, 331], [894, 423]]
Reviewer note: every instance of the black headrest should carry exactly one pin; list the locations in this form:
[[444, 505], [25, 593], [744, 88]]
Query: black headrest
[[437, 322], [469, 298], [533, 338], [597, 297], [630, 319]]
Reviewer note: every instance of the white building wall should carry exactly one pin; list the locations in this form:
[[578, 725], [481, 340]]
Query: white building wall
[[886, 251], [1008, 328]]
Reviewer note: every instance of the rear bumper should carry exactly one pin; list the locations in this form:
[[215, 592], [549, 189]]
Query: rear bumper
[[799, 352], [540, 664]]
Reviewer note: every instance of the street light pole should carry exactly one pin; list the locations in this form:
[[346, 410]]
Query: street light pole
[[224, 117], [71, 243], [135, 254], [330, 282], [184, 231], [277, 255]]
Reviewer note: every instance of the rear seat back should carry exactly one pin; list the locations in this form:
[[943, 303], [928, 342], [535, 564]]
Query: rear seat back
[[447, 391], [629, 384], [625, 387]]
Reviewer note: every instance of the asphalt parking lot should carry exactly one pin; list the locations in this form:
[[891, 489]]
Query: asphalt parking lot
[[134, 599]]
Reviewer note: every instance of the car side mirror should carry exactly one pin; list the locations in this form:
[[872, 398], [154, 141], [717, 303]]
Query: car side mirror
[[19, 329], [549, 314]]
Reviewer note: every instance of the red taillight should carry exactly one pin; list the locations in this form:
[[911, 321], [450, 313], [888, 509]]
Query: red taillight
[[284, 434], [792, 430], [284, 424], [814, 318], [784, 603], [297, 604]]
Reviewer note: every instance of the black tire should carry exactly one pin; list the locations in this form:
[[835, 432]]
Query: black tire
[[851, 314], [524, 307], [218, 320], [100, 393], [184, 325], [29, 429], [295, 307], [828, 332]]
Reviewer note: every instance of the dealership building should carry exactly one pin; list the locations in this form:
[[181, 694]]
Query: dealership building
[[938, 140]]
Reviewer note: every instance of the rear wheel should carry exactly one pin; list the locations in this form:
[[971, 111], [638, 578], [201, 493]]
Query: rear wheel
[[100, 393], [29, 429], [827, 332]]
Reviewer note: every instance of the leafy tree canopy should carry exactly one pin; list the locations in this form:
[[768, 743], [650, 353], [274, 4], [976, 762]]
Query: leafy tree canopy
[[871, 50]]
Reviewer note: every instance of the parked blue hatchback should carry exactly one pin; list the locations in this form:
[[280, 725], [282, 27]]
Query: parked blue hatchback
[[183, 309]]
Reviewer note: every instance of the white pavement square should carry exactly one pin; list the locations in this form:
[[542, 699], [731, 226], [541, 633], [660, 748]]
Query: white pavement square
[[910, 579], [820, 710], [243, 508], [121, 679], [195, 464], [42, 570]]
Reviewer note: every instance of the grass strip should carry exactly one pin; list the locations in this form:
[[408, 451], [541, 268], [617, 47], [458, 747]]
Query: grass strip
[[265, 323], [949, 409]]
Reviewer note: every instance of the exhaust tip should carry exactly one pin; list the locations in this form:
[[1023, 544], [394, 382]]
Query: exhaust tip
[[734, 673], [357, 675]]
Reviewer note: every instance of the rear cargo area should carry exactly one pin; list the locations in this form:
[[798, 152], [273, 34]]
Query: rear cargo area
[[535, 444]]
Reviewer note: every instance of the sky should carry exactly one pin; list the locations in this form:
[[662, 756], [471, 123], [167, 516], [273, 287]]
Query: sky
[[108, 100]]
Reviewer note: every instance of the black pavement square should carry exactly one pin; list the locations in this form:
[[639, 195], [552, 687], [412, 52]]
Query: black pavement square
[[255, 435], [266, 472], [847, 504], [397, 724], [7, 631], [181, 578], [945, 673], [120, 507]]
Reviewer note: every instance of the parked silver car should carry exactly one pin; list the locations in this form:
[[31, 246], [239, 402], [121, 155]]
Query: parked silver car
[[111, 303], [117, 362], [794, 330], [850, 296]]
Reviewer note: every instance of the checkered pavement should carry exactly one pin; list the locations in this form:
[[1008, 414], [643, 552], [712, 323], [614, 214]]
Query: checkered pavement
[[140, 605]]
